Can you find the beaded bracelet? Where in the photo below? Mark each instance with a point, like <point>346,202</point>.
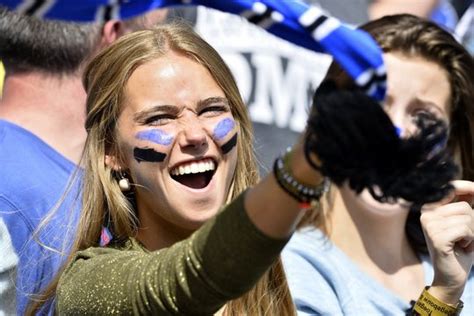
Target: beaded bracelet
<point>307,196</point>
<point>427,304</point>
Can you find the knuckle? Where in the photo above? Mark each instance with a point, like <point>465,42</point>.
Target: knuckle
<point>424,218</point>
<point>465,206</point>
<point>430,226</point>
<point>465,230</point>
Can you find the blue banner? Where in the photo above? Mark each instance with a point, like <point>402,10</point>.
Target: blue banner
<point>292,20</point>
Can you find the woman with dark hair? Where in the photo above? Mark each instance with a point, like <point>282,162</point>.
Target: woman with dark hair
<point>364,256</point>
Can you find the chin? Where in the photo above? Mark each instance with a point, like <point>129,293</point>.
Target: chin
<point>367,201</point>
<point>195,220</point>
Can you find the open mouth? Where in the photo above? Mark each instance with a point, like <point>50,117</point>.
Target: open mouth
<point>195,174</point>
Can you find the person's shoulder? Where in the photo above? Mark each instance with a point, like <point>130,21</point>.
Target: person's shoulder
<point>309,249</point>
<point>14,135</point>
<point>94,252</point>
<point>21,152</point>
<point>20,145</point>
<point>97,257</point>
<point>31,169</point>
<point>116,248</point>
<point>309,270</point>
<point>309,239</point>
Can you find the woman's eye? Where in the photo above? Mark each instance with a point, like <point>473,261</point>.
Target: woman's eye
<point>160,119</point>
<point>425,113</point>
<point>213,110</point>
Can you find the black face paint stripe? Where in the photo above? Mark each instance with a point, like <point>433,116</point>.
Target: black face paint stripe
<point>229,145</point>
<point>148,155</point>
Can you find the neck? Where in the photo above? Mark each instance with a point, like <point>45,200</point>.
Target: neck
<point>157,233</point>
<point>50,106</point>
<point>371,237</point>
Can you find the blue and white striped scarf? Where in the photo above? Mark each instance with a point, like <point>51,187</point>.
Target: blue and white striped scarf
<point>292,20</point>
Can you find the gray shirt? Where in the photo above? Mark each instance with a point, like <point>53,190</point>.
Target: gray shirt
<point>8,262</point>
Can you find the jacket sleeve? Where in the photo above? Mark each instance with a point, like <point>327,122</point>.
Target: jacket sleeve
<point>219,262</point>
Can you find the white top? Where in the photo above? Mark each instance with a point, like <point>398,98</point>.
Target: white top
<point>323,280</point>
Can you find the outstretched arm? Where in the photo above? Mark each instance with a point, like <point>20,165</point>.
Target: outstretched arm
<point>219,262</point>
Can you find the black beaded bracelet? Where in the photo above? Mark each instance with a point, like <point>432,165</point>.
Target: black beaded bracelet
<point>305,195</point>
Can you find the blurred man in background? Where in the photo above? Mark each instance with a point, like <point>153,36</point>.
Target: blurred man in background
<point>42,133</point>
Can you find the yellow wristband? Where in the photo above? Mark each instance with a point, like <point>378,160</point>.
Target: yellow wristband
<point>427,304</point>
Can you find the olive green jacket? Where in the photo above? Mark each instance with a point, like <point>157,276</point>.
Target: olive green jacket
<point>196,276</point>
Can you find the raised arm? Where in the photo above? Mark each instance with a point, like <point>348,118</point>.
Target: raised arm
<point>449,232</point>
<point>219,262</point>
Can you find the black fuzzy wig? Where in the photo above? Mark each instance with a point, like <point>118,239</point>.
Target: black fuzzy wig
<point>357,142</point>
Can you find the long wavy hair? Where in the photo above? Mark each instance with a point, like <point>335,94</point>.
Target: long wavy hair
<point>104,80</point>
<point>415,37</point>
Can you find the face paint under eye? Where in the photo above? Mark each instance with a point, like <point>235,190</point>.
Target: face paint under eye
<point>148,155</point>
<point>223,128</point>
<point>229,145</point>
<point>156,136</point>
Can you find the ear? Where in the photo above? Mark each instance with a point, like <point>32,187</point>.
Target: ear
<point>111,31</point>
<point>112,162</point>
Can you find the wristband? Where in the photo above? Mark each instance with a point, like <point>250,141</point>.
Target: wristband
<point>307,196</point>
<point>427,304</point>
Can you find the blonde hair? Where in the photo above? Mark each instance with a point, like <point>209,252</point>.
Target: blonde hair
<point>104,80</point>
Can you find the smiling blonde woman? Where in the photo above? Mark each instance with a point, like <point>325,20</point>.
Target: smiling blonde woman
<point>169,143</point>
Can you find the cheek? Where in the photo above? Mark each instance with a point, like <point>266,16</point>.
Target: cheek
<point>152,145</point>
<point>224,133</point>
<point>223,129</point>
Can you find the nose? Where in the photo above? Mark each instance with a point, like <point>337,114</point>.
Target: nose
<point>403,121</point>
<point>193,136</point>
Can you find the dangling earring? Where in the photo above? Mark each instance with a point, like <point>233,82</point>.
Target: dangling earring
<point>124,183</point>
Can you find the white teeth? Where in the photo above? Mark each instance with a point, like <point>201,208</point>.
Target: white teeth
<point>202,167</point>
<point>194,167</point>
<point>187,169</point>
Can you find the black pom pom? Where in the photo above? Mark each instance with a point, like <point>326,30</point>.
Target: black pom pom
<point>357,142</point>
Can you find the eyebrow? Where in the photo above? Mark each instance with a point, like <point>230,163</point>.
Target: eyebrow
<point>430,103</point>
<point>212,100</point>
